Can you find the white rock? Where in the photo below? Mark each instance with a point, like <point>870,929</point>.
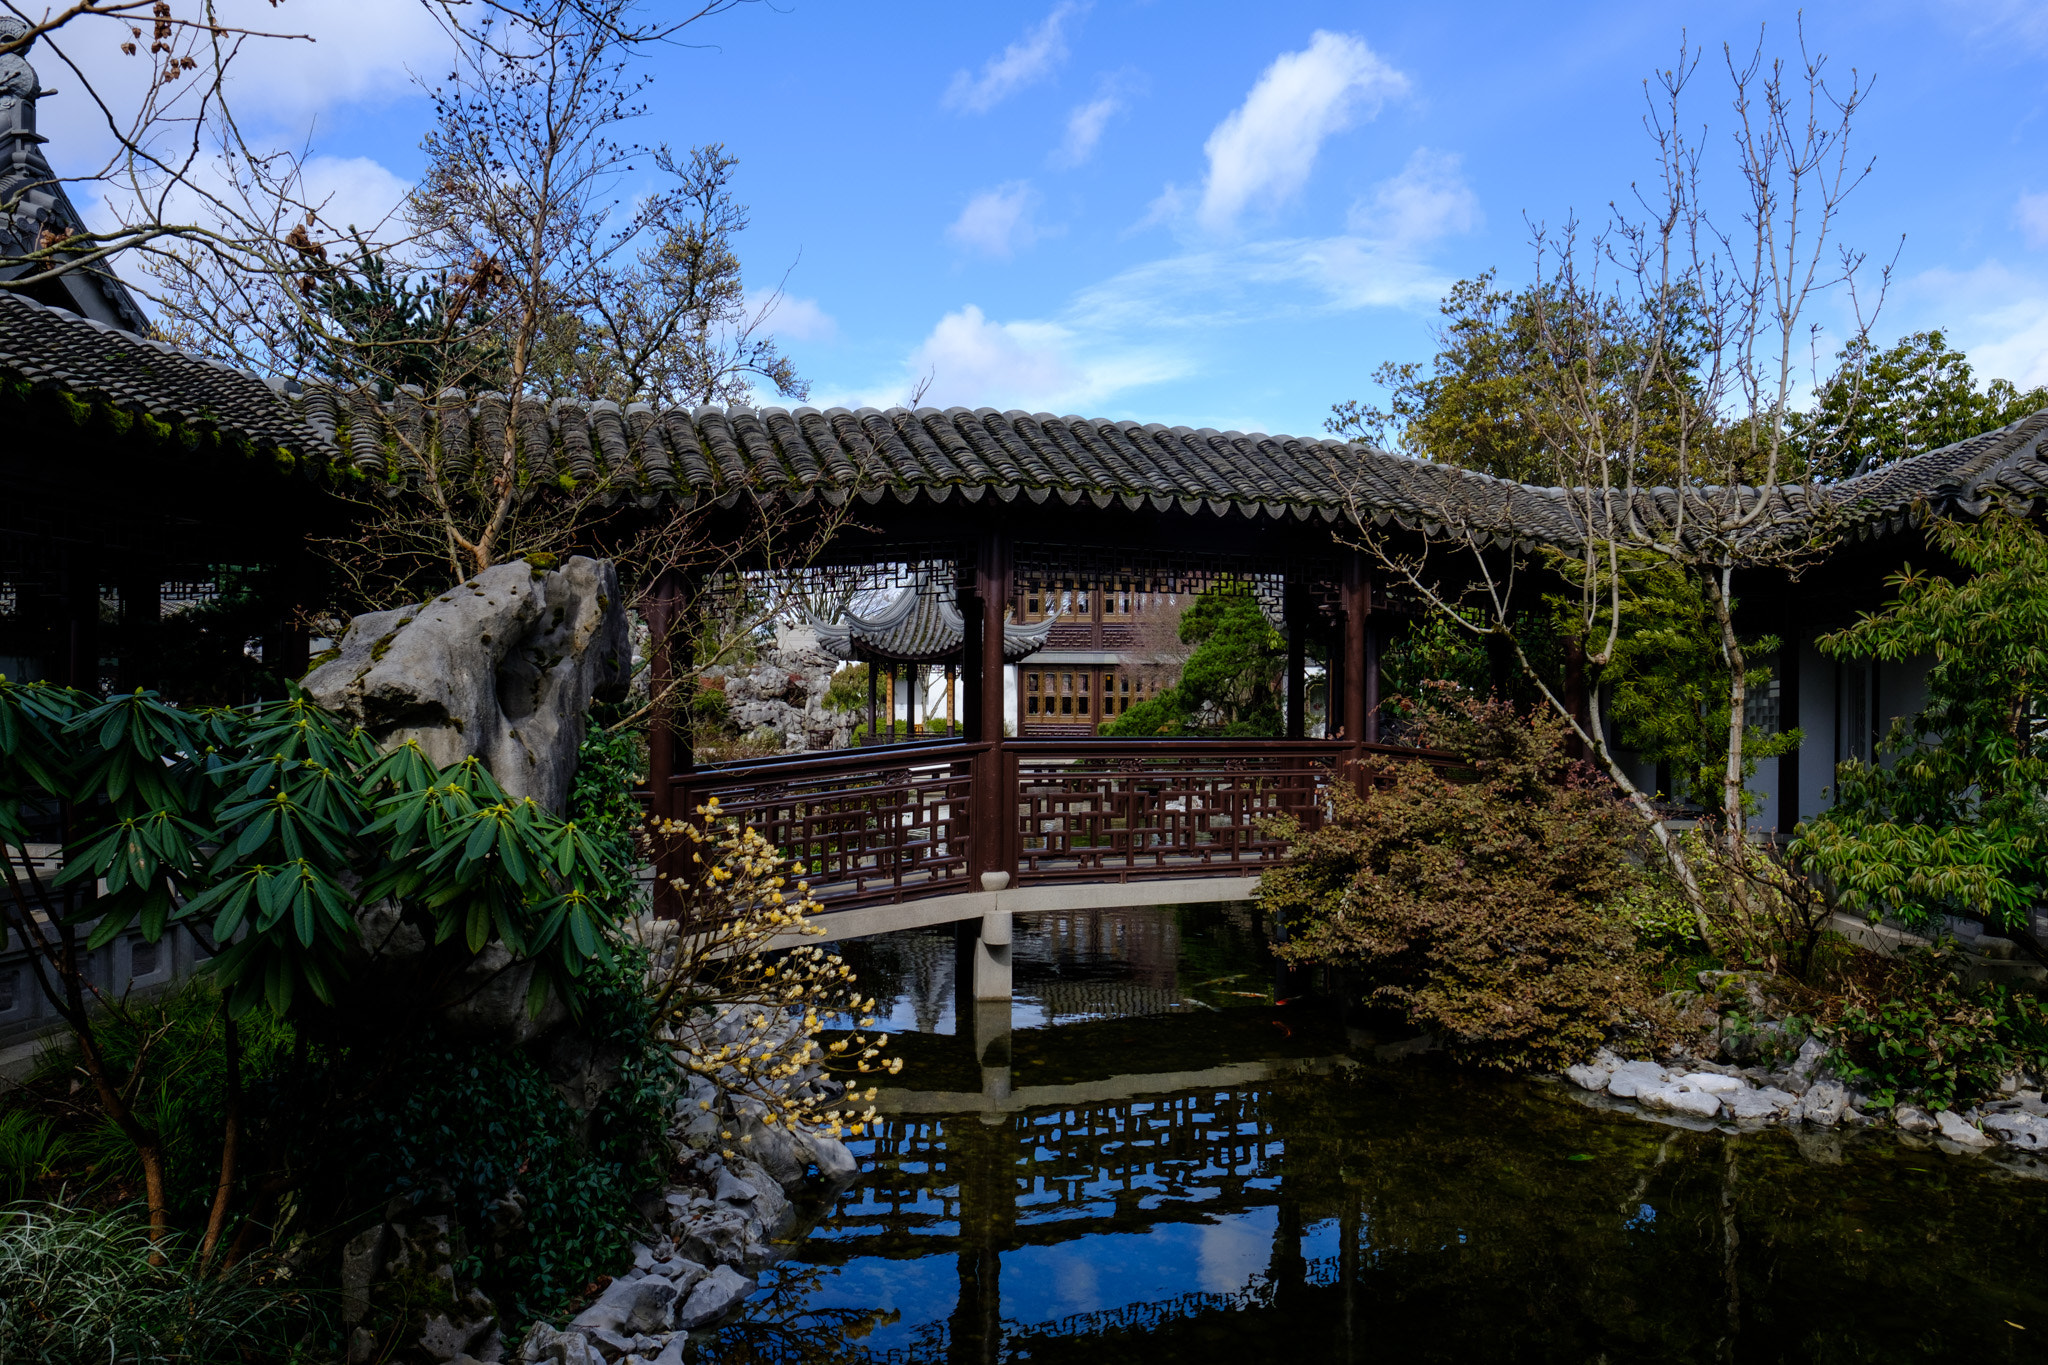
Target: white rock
<point>1587,1076</point>
<point>730,1189</point>
<point>503,666</point>
<point>1630,1079</point>
<point>1678,1097</point>
<point>653,1307</point>
<point>829,1154</point>
<point>683,1274</point>
<point>609,1312</point>
<point>1764,1105</point>
<point>1822,1103</point>
<point>2021,1130</point>
<point>1807,1063</point>
<point>1959,1131</point>
<point>1913,1119</point>
<point>1713,1082</point>
<point>714,1297</point>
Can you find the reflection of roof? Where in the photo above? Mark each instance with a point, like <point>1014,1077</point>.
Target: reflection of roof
<point>918,626</point>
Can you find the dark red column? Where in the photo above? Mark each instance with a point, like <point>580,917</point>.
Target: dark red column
<point>991,817</point>
<point>1357,589</point>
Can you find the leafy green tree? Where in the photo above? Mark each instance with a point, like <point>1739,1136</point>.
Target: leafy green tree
<point>1491,400</point>
<point>264,829</point>
<point>367,320</point>
<point>1883,405</point>
<point>1955,820</point>
<point>1669,685</point>
<point>1229,685</point>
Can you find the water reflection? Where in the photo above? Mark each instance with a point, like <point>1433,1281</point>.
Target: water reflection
<point>1078,965</point>
<point>1328,1206</point>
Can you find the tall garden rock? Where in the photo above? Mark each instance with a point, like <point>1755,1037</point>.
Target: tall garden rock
<point>504,666</point>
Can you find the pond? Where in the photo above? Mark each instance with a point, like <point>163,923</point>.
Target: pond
<point>1165,1150</point>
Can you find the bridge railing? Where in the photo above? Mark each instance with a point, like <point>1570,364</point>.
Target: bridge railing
<point>902,822</point>
<point>865,826</point>
<point>1120,811</point>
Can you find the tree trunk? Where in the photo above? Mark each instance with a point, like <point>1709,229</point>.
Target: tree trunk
<point>230,1141</point>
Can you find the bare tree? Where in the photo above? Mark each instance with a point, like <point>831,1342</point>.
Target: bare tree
<point>1669,345</point>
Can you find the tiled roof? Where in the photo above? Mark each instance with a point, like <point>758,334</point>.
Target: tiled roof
<point>918,626</point>
<point>50,348</point>
<point>679,458</point>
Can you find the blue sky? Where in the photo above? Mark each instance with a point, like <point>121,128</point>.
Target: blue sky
<point>1227,215</point>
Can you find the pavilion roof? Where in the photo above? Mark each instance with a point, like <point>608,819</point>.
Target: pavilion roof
<point>918,626</point>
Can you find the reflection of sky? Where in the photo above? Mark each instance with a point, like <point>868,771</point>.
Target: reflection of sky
<point>1090,1274</point>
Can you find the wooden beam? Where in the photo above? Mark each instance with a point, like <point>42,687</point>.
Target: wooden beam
<point>1357,591</point>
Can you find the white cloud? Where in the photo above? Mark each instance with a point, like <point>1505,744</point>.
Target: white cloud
<point>1086,122</point>
<point>1259,281</point>
<point>1262,154</point>
<point>1429,199</point>
<point>1084,128</point>
<point>2003,22</point>
<point>354,191</point>
<point>1232,1251</point>
<point>791,318</point>
<point>1023,63</point>
<point>998,222</point>
<point>1996,315</point>
<point>973,360</point>
<point>2032,212</point>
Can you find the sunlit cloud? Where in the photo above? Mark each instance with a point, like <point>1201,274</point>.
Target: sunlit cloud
<point>1023,63</point>
<point>1261,156</point>
<point>998,222</point>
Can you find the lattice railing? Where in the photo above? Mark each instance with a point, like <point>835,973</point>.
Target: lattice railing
<point>864,827</point>
<point>1110,812</point>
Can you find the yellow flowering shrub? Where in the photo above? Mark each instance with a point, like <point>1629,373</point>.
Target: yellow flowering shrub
<point>742,1000</point>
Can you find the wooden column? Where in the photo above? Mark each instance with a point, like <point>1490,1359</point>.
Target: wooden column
<point>1357,611</point>
<point>1788,718</point>
<point>1372,670</point>
<point>1575,694</point>
<point>668,736</point>
<point>1297,660</point>
<point>993,809</point>
<point>142,609</point>
<point>80,643</point>
<point>972,711</point>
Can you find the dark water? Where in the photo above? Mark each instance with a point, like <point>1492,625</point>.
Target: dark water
<point>1155,1162</point>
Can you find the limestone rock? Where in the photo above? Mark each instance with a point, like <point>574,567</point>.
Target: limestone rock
<point>1823,1103</point>
<point>2021,1130</point>
<point>1913,1119</point>
<point>713,1297</point>
<point>1630,1079</point>
<point>829,1154</point>
<point>1955,1128</point>
<point>612,1307</point>
<point>1763,1105</point>
<point>653,1306</point>
<point>503,666</point>
<point>1681,1097</point>
<point>1712,1082</point>
<point>361,1259</point>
